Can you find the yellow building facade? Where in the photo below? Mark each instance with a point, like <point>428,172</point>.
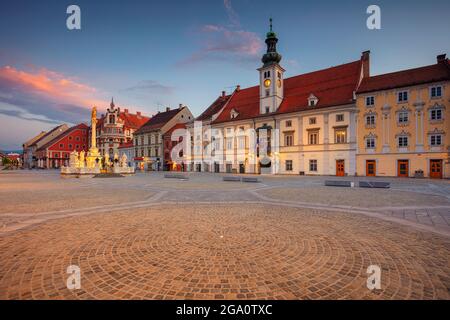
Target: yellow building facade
<point>403,123</point>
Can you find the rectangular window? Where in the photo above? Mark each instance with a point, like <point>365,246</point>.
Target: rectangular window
<point>313,165</point>
<point>370,143</point>
<point>436,114</point>
<point>61,145</point>
<point>229,143</point>
<point>288,123</point>
<point>313,137</point>
<point>436,92</point>
<point>403,117</point>
<point>370,120</point>
<point>402,96</point>
<point>436,140</point>
<point>312,120</point>
<point>339,117</point>
<point>241,143</point>
<point>340,135</point>
<point>289,140</point>
<point>370,101</point>
<point>402,141</point>
<point>288,165</point>
<point>267,109</point>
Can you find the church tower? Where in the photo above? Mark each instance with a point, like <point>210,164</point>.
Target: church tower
<point>271,76</point>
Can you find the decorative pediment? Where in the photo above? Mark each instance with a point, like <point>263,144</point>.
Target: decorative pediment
<point>403,134</point>
<point>436,106</point>
<point>312,100</point>
<point>436,131</point>
<point>403,109</point>
<point>370,136</point>
<point>370,113</point>
<point>233,114</point>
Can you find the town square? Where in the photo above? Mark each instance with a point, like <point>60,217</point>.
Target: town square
<point>224,150</point>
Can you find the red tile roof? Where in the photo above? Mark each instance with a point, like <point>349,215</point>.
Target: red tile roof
<point>177,126</point>
<point>130,120</point>
<point>432,73</point>
<point>62,135</point>
<point>215,107</point>
<point>158,121</point>
<point>333,87</point>
<point>126,145</point>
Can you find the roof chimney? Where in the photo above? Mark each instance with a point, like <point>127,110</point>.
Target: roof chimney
<point>180,106</point>
<point>125,110</point>
<point>238,87</point>
<point>365,59</point>
<point>138,113</point>
<point>223,94</point>
<point>441,58</point>
<point>167,109</point>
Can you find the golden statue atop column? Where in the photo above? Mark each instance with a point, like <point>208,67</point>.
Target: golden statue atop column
<point>93,159</point>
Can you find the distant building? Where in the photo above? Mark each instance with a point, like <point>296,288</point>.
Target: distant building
<point>169,163</point>
<point>148,140</point>
<point>56,152</point>
<point>403,123</point>
<point>117,127</point>
<point>27,155</point>
<point>30,159</point>
<point>127,148</point>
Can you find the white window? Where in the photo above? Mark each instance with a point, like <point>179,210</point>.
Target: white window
<point>436,92</point>
<point>340,135</point>
<point>241,142</point>
<point>370,142</point>
<point>289,140</point>
<point>370,120</point>
<point>370,101</point>
<point>312,120</point>
<point>313,165</point>
<point>403,117</point>
<point>313,137</point>
<point>288,164</point>
<point>435,114</point>
<point>402,96</point>
<point>403,141</point>
<point>436,140</point>
<point>339,117</point>
<point>229,143</point>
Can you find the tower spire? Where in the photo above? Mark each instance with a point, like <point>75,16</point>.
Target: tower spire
<point>272,56</point>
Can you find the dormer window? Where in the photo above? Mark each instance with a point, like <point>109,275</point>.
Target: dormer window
<point>233,114</point>
<point>312,100</point>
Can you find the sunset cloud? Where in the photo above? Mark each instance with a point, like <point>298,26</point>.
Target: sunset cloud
<point>45,95</point>
<point>226,43</point>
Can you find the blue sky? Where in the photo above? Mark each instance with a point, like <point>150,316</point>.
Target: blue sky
<point>153,54</point>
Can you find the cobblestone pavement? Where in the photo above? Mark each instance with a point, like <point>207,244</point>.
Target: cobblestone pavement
<point>284,238</point>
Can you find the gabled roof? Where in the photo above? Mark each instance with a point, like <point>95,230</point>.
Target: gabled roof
<point>32,140</point>
<point>158,120</point>
<point>332,86</point>
<point>62,135</point>
<point>130,120</point>
<point>176,126</point>
<point>48,134</point>
<point>405,78</point>
<point>215,107</point>
<point>126,145</point>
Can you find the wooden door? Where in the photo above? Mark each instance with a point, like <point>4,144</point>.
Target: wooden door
<point>403,168</point>
<point>371,168</point>
<point>436,169</point>
<point>340,168</point>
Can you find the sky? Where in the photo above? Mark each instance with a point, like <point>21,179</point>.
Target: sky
<point>152,54</point>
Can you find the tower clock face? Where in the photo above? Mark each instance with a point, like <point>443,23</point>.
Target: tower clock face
<point>267,83</point>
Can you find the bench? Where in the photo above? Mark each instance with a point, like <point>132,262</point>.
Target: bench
<point>231,179</point>
<point>175,176</point>
<point>249,179</point>
<point>338,183</point>
<point>374,184</point>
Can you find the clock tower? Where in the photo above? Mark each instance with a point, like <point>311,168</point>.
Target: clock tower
<point>270,76</point>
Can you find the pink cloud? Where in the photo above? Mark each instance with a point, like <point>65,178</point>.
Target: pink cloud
<point>229,43</point>
<point>51,85</point>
